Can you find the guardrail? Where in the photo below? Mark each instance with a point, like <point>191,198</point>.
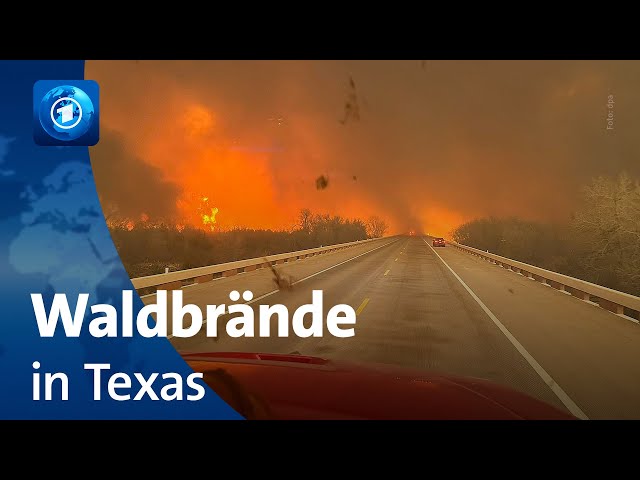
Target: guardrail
<point>617,302</point>
<point>180,278</point>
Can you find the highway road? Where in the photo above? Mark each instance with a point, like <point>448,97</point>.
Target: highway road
<point>447,311</point>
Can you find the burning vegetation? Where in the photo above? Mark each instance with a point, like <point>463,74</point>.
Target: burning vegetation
<point>146,248</point>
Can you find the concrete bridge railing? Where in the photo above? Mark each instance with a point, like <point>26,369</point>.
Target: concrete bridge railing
<point>180,278</point>
<point>617,302</point>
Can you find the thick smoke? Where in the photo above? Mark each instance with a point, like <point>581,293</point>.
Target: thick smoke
<point>129,185</point>
<point>434,143</point>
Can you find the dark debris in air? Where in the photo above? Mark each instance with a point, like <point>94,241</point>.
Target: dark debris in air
<point>322,182</point>
<point>282,281</point>
<point>511,290</point>
<point>351,106</point>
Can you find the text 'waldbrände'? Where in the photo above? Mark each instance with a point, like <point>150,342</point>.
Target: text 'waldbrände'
<point>106,322</point>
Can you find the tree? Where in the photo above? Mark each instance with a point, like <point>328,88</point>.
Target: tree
<point>305,220</point>
<point>607,232</point>
<point>601,243</point>
<point>376,227</point>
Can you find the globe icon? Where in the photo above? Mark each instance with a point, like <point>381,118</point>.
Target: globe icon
<point>66,112</point>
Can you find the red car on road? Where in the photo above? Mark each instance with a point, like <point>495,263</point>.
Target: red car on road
<point>438,242</point>
<point>263,386</point>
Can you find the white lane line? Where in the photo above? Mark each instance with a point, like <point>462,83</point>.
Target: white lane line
<point>303,279</point>
<point>560,393</point>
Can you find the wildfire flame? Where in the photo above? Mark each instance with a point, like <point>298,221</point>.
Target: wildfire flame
<point>210,219</point>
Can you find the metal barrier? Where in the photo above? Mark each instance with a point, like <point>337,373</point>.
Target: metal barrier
<point>180,278</point>
<point>617,302</point>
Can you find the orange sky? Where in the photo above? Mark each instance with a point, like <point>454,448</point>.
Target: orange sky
<point>437,143</point>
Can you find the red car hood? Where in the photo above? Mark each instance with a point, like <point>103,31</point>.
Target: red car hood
<point>273,386</point>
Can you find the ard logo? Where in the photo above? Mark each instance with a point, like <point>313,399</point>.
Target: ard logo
<point>66,112</point>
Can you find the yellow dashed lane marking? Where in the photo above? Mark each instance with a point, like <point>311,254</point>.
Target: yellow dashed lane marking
<point>385,273</point>
<point>361,307</point>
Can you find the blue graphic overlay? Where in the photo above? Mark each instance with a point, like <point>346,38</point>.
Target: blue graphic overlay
<point>54,239</point>
<point>66,113</point>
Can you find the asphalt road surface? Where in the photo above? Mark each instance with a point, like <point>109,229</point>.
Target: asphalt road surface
<point>447,311</point>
